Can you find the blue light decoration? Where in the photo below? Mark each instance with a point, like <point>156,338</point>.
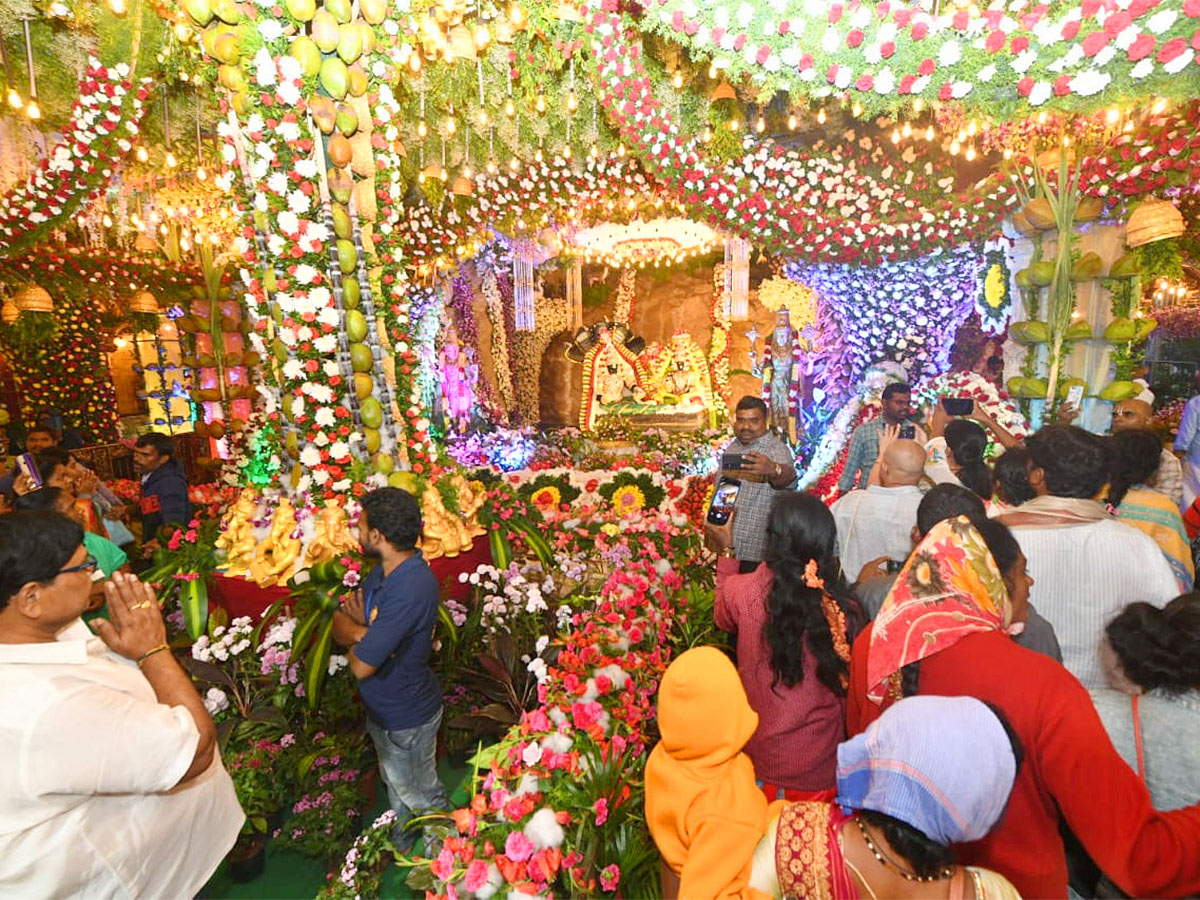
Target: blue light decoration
<point>906,311</point>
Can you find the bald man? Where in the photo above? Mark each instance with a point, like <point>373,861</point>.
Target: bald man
<point>879,521</point>
<point>1138,414</point>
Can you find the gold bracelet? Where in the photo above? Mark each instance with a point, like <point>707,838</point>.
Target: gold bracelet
<point>727,553</point>
<point>145,656</point>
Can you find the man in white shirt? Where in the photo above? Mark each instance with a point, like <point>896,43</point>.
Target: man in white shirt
<point>111,785</point>
<point>1086,565</point>
<point>1137,413</point>
<point>879,521</point>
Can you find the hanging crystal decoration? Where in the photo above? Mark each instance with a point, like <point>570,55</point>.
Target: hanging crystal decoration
<point>523,311</point>
<point>737,278</point>
<point>575,294</point>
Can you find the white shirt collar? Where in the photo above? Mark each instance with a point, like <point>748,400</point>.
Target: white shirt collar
<point>72,647</point>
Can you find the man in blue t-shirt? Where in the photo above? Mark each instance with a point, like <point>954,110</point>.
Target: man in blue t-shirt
<point>389,627</point>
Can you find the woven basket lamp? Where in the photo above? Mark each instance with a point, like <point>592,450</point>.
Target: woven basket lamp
<point>9,311</point>
<point>1154,220</point>
<point>32,298</point>
<point>144,302</point>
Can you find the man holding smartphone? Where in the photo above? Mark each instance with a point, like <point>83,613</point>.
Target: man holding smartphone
<point>894,409</point>
<point>763,464</point>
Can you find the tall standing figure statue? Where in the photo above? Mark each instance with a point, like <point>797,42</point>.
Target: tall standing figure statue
<point>782,373</point>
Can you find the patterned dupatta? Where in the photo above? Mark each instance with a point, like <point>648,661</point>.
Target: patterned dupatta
<point>949,588</point>
<point>808,853</point>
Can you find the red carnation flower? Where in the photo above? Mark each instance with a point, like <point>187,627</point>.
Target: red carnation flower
<point>926,67</point>
<point>1142,47</point>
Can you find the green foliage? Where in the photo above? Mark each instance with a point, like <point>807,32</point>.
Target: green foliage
<point>31,331</point>
<point>1160,259</point>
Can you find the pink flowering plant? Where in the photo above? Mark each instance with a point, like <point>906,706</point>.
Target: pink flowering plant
<point>327,814</point>
<point>181,567</point>
<point>557,804</point>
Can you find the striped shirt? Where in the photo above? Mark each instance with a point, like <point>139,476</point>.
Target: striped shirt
<point>756,495</point>
<point>1083,576</point>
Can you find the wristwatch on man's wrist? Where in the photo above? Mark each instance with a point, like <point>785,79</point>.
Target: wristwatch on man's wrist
<point>726,552</point>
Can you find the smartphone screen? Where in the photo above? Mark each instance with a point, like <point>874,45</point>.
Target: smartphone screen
<point>722,502</point>
<point>908,432</point>
<point>958,406</point>
<point>29,469</point>
<point>893,566</point>
<point>1075,395</point>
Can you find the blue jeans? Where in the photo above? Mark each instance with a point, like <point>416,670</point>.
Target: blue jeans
<point>409,768</point>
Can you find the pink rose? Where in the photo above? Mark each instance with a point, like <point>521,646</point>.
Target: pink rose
<point>477,876</point>
<point>517,847</point>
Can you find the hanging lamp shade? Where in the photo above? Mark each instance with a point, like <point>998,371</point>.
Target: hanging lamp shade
<point>462,186</point>
<point>723,91</point>
<point>1153,220</point>
<point>462,42</point>
<point>9,311</point>
<point>144,243</point>
<point>32,298</point>
<point>144,302</point>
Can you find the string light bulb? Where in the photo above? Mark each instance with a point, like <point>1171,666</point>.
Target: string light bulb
<point>491,166</point>
<point>566,152</point>
<point>482,117</point>
<point>540,103</point>
<point>821,117</point>
<point>712,71</point>
<point>510,108</point>
<point>516,15</point>
<point>856,109</point>
<point>33,110</point>
<point>414,62</point>
<point>677,79</point>
<point>170,160</point>
<point>422,129</point>
<point>201,174</point>
<point>970,154</point>
<point>761,125</point>
<point>482,36</point>
<point>14,98</point>
<point>955,146</point>
<point>142,155</point>
<point>929,133</point>
<point>451,124</point>
<point>895,135</point>
<point>1159,105</point>
<point>792,123</point>
<point>514,165</point>
<point>906,131</point>
<point>117,6</point>
<point>108,222</point>
<point>572,102</point>
<point>1113,116</point>
<point>734,124</point>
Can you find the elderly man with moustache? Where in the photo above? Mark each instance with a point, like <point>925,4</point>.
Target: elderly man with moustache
<point>1136,413</point>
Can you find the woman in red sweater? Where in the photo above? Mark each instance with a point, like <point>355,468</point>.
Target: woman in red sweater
<point>1071,770</point>
<point>791,616</point>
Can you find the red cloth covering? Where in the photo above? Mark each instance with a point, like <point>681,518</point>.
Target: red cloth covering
<point>241,597</point>
<point>1070,766</point>
<point>799,727</point>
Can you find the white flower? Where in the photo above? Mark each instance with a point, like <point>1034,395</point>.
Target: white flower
<point>326,343</point>
<point>270,29</point>
<point>1161,21</point>
<point>532,754</point>
<point>305,274</point>
<point>287,221</point>
<point>215,701</point>
<point>299,202</point>
<point>543,829</point>
<point>1040,93</point>
<point>264,67</point>
<point>337,662</point>
<point>289,68</point>
<point>987,73</point>
<point>1022,63</point>
<point>309,457</point>
<point>325,418</point>
<point>1145,66</point>
<point>1090,82</point>
<point>950,53</point>
<point>1178,64</point>
<point>339,450</point>
<point>306,168</point>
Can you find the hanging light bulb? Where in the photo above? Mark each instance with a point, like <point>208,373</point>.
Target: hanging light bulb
<point>201,174</point>
<point>540,103</point>
<point>856,109</point>
<point>422,129</point>
<point>414,62</point>
<point>1008,154</point>
<point>572,102</point>
<point>821,116</point>
<point>895,135</point>
<point>792,123</point>
<point>594,152</point>
<point>906,131</point>
<point>734,124</point>
<point>141,154</point>
<point>929,133</point>
<point>33,110</point>
<point>482,36</point>
<point>516,15</point>
<point>510,109</point>
<point>170,160</point>
<point>566,152</point>
<point>972,128</point>
<point>513,165</point>
<point>182,32</point>
<point>482,117</point>
<point>970,154</point>
<point>712,70</point>
<point>1159,105</point>
<point>451,124</point>
<point>491,165</point>
<point>761,125</point>
<point>117,6</point>
<point>1113,116</point>
<point>14,98</point>
<point>955,146</point>
<point>918,105</point>
<point>537,155</point>
<point>107,220</point>
<point>677,79</point>
<point>621,150</point>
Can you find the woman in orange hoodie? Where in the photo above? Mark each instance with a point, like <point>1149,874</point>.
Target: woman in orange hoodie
<point>705,812</point>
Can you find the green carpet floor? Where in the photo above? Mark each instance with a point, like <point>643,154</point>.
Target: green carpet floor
<point>290,876</point>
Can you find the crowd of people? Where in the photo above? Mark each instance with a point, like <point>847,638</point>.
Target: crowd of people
<point>1051,584</point>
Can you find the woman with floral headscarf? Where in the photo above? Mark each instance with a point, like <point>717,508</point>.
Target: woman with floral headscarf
<point>945,630</point>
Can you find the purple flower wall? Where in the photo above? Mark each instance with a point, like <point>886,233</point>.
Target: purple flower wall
<point>904,311</point>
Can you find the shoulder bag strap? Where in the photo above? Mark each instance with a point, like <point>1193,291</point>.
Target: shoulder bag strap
<point>1137,738</point>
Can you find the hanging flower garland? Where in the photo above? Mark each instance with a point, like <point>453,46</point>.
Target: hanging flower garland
<point>996,62</point>
<point>626,288</point>
<point>70,373</point>
<point>789,202</point>
<point>103,124</point>
<point>718,349</point>
<point>113,270</point>
<point>500,357</point>
<point>903,311</point>
<point>994,302</point>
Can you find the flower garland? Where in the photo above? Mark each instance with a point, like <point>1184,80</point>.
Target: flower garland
<point>788,201</point>
<point>995,402</point>
<point>994,302</point>
<point>995,61</point>
<point>626,289</point>
<point>718,348</point>
<point>103,124</point>
<point>90,268</point>
<point>500,357</point>
<point>904,311</point>
<point>70,373</point>
<point>528,350</point>
<point>801,301</point>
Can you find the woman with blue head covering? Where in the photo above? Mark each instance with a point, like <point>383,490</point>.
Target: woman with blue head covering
<point>930,772</point>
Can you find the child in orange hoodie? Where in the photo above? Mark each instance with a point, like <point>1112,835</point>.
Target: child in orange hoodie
<point>705,812</point>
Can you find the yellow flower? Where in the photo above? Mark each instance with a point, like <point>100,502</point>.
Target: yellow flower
<point>547,496</point>
<point>628,498</point>
<point>993,287</point>
<point>610,529</point>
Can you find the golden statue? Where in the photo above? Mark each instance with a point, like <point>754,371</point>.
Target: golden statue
<point>471,497</point>
<point>237,533</point>
<point>332,537</point>
<point>444,534</point>
<point>276,556</point>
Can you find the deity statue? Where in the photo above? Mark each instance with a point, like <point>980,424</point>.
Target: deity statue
<point>612,372</point>
<point>444,533</point>
<point>680,375</point>
<point>237,533</point>
<point>782,373</point>
<point>460,376</point>
<point>471,497</point>
<point>332,538</point>
<point>278,553</point>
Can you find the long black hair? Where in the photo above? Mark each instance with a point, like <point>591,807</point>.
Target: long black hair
<point>969,442</point>
<point>1159,648</point>
<point>801,529</point>
<point>1011,473</point>
<point>1134,457</point>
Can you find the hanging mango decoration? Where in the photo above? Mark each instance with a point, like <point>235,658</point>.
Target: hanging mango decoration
<point>1031,332</point>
